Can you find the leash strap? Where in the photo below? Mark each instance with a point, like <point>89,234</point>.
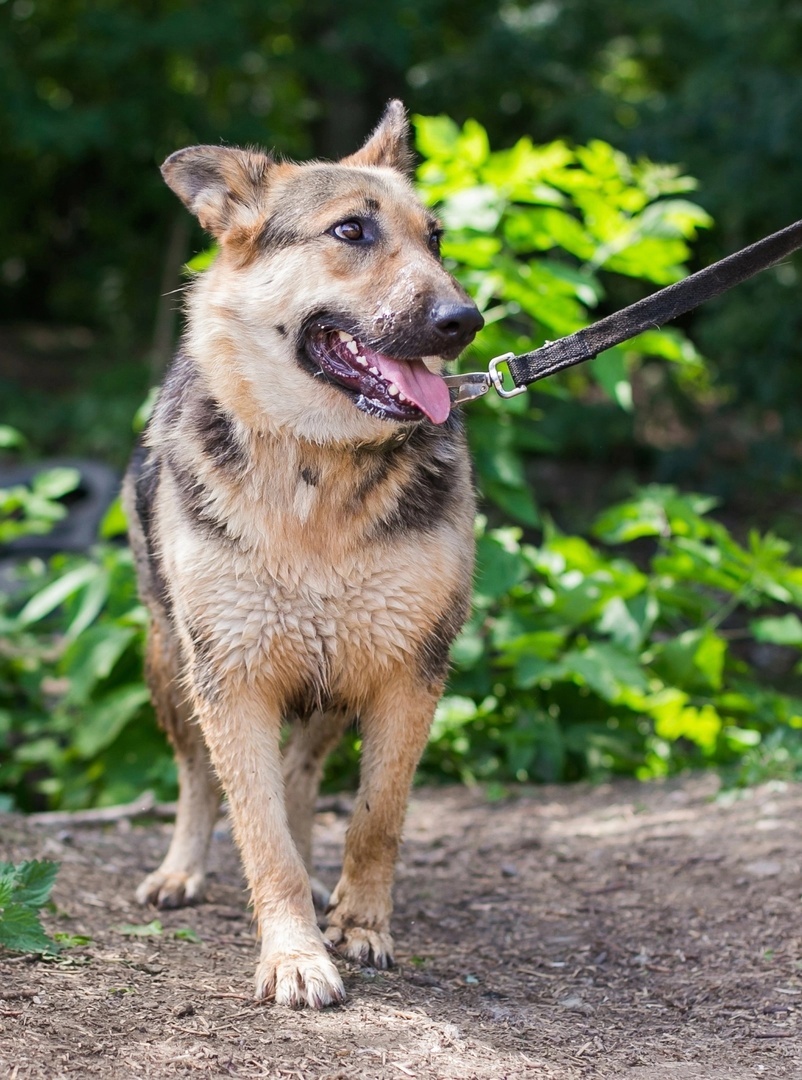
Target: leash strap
<point>651,312</point>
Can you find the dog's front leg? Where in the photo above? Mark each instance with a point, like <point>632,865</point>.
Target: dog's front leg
<point>242,733</point>
<point>394,732</point>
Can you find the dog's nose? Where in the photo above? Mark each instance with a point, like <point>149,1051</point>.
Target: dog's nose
<point>456,324</point>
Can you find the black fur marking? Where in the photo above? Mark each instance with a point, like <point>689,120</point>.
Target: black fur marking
<point>376,467</point>
<point>204,680</point>
<point>195,503</point>
<point>305,700</point>
<point>218,435</point>
<point>145,469</point>
<point>310,476</point>
<point>176,391</point>
<point>430,494</point>
<point>282,329</point>
<point>433,653</point>
<point>276,235</point>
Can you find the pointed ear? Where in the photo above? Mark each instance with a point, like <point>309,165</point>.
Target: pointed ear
<point>221,185</point>
<point>388,146</point>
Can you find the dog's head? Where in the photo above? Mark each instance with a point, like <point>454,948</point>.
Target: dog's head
<point>328,305</point>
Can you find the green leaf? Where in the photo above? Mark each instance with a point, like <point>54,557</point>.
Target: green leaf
<point>186,933</point>
<point>72,941</point>
<point>141,930</point>
<point>91,604</point>
<point>436,137</point>
<point>607,670</point>
<point>611,373</point>
<point>33,881</point>
<point>54,483</point>
<point>21,931</point>
<point>783,630</point>
<point>145,410</point>
<point>91,658</point>
<point>24,888</point>
<point>114,521</point>
<point>104,721</point>
<point>693,659</point>
<point>10,437</point>
<point>499,568</point>
<point>56,593</point>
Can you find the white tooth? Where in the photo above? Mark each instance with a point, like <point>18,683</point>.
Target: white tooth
<point>403,397</point>
<point>374,371</point>
<point>352,347</point>
<point>343,336</point>
<point>393,390</point>
<point>361,361</point>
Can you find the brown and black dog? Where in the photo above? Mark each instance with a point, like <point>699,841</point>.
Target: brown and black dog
<point>301,512</point>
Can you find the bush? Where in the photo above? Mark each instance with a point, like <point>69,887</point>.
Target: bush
<point>579,661</point>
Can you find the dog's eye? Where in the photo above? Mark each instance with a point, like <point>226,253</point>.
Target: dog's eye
<point>434,241</point>
<point>349,230</point>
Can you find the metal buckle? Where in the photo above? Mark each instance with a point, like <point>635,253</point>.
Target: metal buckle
<point>475,384</point>
<point>497,379</point>
<point>469,386</point>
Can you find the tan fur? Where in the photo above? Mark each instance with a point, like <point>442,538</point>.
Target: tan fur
<point>299,556</point>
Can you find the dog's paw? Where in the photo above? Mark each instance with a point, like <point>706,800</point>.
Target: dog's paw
<point>301,979</point>
<point>171,889</point>
<point>373,948</point>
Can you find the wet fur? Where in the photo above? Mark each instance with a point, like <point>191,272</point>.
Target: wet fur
<point>300,558</point>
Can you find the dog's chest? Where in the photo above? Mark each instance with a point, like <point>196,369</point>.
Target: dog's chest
<point>307,581</point>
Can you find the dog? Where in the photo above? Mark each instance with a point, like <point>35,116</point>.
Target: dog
<point>301,513</point>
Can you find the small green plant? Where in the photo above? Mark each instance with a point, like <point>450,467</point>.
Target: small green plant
<point>24,889</point>
<point>151,929</point>
<point>32,510</point>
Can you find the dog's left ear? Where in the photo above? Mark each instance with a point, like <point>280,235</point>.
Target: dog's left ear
<point>388,146</point>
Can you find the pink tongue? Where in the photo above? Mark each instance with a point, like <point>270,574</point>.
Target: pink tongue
<point>421,386</point>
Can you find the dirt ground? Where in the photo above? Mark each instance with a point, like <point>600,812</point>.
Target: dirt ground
<point>625,931</point>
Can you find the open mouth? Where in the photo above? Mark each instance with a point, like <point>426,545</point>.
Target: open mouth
<point>381,385</point>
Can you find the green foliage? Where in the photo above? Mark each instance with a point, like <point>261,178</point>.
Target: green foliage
<point>580,661</point>
<point>24,889</point>
<point>530,232</point>
<point>32,510</point>
<point>76,726</point>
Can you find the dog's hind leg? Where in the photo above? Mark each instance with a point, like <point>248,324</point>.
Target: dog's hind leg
<point>394,729</point>
<point>305,755</point>
<point>182,875</point>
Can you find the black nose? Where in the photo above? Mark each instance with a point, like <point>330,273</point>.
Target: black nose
<point>456,324</point>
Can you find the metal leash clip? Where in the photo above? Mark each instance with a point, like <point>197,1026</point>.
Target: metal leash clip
<point>468,386</point>
<point>475,384</point>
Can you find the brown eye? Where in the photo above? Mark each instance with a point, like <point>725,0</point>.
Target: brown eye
<point>349,230</point>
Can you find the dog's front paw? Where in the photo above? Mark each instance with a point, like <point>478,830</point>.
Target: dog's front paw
<point>171,889</point>
<point>300,979</point>
<point>373,948</point>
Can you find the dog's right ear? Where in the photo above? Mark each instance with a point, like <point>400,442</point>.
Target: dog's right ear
<point>221,185</point>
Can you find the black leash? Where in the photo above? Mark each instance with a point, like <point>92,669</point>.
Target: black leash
<point>647,314</point>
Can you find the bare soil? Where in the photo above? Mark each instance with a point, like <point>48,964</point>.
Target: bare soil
<point>647,932</point>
